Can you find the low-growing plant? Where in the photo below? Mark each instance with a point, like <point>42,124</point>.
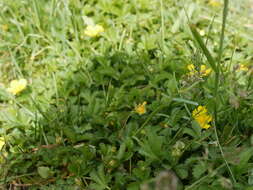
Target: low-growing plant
<point>134,108</point>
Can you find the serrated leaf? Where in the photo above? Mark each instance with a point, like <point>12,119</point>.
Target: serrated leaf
<point>152,147</point>
<point>199,169</point>
<point>99,178</point>
<point>181,171</point>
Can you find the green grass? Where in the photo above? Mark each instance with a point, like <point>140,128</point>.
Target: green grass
<point>75,125</point>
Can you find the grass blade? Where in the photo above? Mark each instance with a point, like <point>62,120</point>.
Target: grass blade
<point>203,47</point>
<point>217,82</point>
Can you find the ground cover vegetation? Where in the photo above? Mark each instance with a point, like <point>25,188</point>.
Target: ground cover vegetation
<point>126,94</point>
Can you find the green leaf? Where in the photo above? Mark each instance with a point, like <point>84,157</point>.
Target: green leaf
<point>251,140</point>
<point>182,171</point>
<point>44,172</point>
<point>244,158</point>
<point>199,169</point>
<point>185,101</point>
<point>133,186</point>
<point>122,150</point>
<point>190,132</point>
<point>152,147</point>
<point>250,179</point>
<point>196,128</point>
<point>101,180</point>
<point>70,133</point>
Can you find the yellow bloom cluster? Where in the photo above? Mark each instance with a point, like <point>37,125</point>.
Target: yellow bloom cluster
<point>191,69</point>
<point>17,86</point>
<point>141,108</point>
<point>200,114</point>
<point>93,30</point>
<point>204,71</point>
<point>243,67</point>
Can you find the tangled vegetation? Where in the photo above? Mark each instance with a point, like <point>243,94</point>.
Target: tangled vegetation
<point>126,94</point>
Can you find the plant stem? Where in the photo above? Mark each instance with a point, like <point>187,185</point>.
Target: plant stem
<point>162,25</point>
<point>217,82</point>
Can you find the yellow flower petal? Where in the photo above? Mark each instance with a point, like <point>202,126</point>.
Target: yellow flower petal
<point>206,126</point>
<point>199,111</point>
<point>200,114</point>
<point>192,70</point>
<point>214,3</point>
<point>243,67</point>
<point>2,142</point>
<point>191,67</point>
<point>207,72</point>
<point>204,71</point>
<point>93,31</point>
<point>141,108</point>
<point>202,32</point>
<point>202,68</point>
<point>17,86</point>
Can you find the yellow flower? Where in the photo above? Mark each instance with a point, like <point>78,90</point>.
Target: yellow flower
<point>199,111</point>
<point>141,108</point>
<point>93,30</point>
<point>191,69</point>
<point>243,67</point>
<point>16,86</point>
<point>214,3</point>
<point>202,32</point>
<point>204,71</point>
<point>5,27</point>
<point>2,142</point>
<point>200,114</point>
<point>203,121</point>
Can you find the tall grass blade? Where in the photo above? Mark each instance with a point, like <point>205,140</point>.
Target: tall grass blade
<point>217,81</point>
<point>203,47</point>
